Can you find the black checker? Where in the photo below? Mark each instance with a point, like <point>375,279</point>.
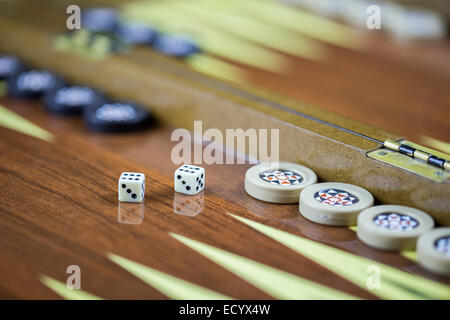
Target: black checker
<point>117,117</point>
<point>70,100</point>
<point>32,83</point>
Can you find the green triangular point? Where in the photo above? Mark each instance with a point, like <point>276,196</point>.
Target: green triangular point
<point>277,283</point>
<point>13,121</point>
<point>68,294</point>
<point>172,287</point>
<point>210,40</point>
<point>217,68</point>
<point>394,283</point>
<point>410,254</point>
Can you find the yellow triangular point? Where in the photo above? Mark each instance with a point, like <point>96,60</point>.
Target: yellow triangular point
<point>296,19</point>
<point>69,294</point>
<point>209,39</point>
<point>217,68</point>
<point>13,121</point>
<point>394,283</point>
<point>250,29</point>
<point>410,254</point>
<point>277,283</point>
<point>172,287</point>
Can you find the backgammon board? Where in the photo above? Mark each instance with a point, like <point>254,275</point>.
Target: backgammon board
<point>61,221</point>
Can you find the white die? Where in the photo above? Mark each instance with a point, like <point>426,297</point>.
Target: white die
<point>189,179</point>
<point>131,186</point>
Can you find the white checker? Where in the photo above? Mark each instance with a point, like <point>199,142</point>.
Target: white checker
<point>334,203</point>
<point>278,183</point>
<point>433,251</point>
<point>392,227</point>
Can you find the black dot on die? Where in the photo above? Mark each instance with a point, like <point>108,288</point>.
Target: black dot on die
<point>188,188</point>
<point>197,168</point>
<point>128,190</point>
<point>183,182</point>
<point>196,188</point>
<point>201,185</point>
<point>125,174</point>
<point>131,174</point>
<point>124,185</point>
<point>136,178</point>
<point>138,175</point>
<point>202,175</point>
<point>178,177</point>
<point>197,178</point>
<point>192,171</point>
<point>134,196</point>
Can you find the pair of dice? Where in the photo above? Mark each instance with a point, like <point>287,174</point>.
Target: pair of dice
<point>188,179</point>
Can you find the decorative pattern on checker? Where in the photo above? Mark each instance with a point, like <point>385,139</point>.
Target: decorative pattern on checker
<point>442,245</point>
<point>335,197</point>
<point>281,177</point>
<point>395,221</point>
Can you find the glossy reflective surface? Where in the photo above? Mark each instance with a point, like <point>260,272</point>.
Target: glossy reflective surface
<point>59,208</point>
<point>130,213</point>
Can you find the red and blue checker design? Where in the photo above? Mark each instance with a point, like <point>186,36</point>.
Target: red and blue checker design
<point>281,177</point>
<point>442,245</point>
<point>395,221</point>
<point>335,197</point>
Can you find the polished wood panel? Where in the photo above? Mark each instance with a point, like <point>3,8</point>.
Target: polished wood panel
<point>59,207</point>
<point>170,89</point>
<point>398,86</point>
<point>59,200</point>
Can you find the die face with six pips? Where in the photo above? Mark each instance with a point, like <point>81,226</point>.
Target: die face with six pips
<point>131,187</point>
<point>189,179</point>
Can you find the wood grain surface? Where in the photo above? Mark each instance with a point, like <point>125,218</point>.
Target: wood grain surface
<point>59,207</point>
<point>399,86</point>
<point>171,89</point>
<point>59,202</point>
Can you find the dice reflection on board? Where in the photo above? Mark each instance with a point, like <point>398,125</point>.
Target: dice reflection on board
<point>130,213</point>
<point>188,205</point>
<point>189,179</point>
<point>131,187</point>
